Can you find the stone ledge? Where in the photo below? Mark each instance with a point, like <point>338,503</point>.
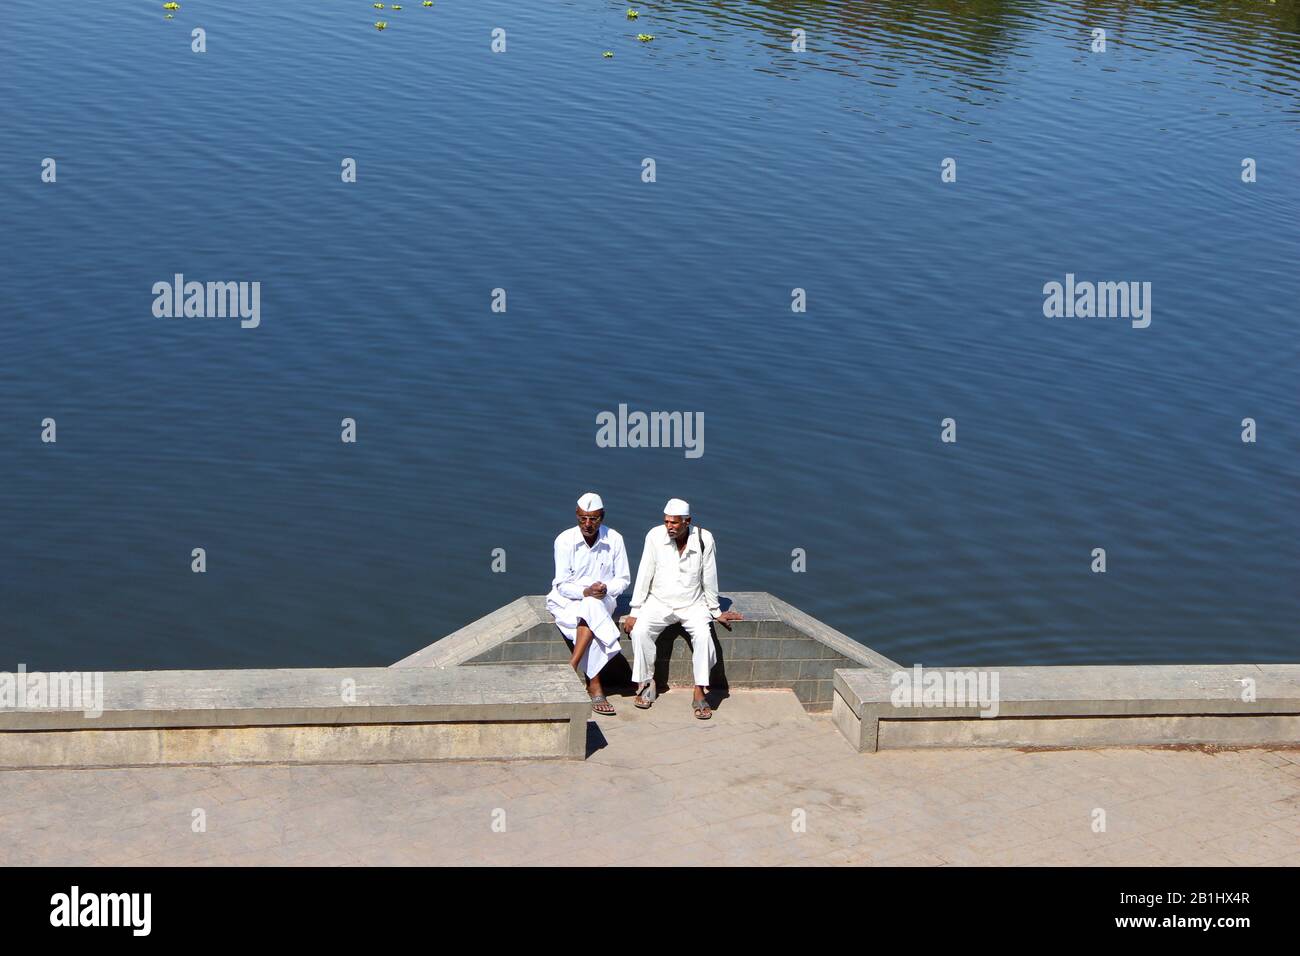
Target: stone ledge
<point>1078,706</point>
<point>501,625</point>
<point>304,716</point>
<point>776,645</point>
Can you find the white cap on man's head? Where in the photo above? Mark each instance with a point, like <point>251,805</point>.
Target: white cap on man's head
<point>677,508</point>
<point>591,502</point>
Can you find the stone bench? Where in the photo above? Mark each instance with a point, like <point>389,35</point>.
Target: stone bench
<point>776,645</point>
<point>318,715</point>
<point>1104,706</point>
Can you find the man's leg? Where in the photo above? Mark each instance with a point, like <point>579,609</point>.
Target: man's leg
<point>703,654</point>
<point>584,662</point>
<point>596,616</point>
<point>582,640</point>
<point>649,624</point>
<point>604,647</point>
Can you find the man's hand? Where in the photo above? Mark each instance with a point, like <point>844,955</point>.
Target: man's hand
<point>726,617</point>
<point>597,590</point>
<point>629,622</point>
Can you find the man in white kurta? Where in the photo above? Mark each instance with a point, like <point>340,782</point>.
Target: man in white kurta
<point>677,582</point>
<point>591,571</point>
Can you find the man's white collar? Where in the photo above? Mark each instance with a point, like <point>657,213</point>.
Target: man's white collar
<point>601,534</point>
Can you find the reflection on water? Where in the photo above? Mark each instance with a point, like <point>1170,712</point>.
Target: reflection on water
<point>965,50</point>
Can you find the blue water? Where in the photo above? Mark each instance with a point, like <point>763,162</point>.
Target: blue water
<point>774,170</point>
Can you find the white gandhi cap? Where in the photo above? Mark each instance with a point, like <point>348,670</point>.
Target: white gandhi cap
<point>677,508</point>
<point>591,502</point>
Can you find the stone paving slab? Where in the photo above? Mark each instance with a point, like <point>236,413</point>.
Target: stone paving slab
<point>663,788</point>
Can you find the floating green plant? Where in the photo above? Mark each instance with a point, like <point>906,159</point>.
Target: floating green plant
<point>607,54</point>
<point>378,6</point>
<point>632,14</point>
<point>381,25</point>
<point>427,3</point>
<point>171,6</point>
<point>645,37</point>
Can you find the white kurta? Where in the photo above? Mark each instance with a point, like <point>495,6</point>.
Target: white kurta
<point>576,567</point>
<point>673,587</point>
<point>678,579</point>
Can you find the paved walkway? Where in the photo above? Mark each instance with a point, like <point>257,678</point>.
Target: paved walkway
<point>667,789</point>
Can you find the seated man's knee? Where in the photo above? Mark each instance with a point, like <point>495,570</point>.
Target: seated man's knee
<point>698,629</point>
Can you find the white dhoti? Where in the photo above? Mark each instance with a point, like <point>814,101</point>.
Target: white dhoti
<point>650,622</point>
<point>597,613</point>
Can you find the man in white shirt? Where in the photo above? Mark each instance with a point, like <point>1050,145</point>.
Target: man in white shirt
<point>676,582</point>
<point>591,571</point>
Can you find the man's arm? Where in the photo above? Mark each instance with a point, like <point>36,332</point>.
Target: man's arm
<point>711,576</point>
<point>622,576</point>
<point>644,574</point>
<point>563,582</point>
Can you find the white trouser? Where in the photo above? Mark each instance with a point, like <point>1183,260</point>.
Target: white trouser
<point>650,622</point>
<point>596,613</point>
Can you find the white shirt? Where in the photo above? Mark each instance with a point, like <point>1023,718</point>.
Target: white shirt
<point>577,565</point>
<point>679,580</point>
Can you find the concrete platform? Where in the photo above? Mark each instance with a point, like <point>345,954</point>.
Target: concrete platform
<point>776,645</point>
<point>762,783</point>
<point>1072,706</point>
<point>316,715</point>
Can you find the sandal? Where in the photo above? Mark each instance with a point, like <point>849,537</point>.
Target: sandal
<point>702,709</point>
<point>645,696</point>
<point>596,706</point>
